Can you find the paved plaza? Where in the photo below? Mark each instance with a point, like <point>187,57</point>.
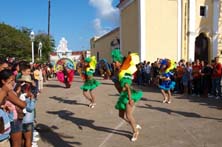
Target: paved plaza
<point>65,120</point>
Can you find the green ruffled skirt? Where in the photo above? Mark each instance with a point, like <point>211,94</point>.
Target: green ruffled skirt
<point>90,85</point>
<point>123,99</point>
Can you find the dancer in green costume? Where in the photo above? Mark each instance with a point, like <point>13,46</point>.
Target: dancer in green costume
<point>128,96</point>
<point>117,62</point>
<point>90,83</point>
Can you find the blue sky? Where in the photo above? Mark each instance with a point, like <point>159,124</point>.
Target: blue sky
<point>76,20</point>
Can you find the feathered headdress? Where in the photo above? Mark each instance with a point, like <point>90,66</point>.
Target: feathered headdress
<point>129,66</point>
<point>92,63</point>
<point>116,55</point>
<point>170,64</point>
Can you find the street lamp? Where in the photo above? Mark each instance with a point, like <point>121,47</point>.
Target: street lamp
<point>40,50</point>
<point>32,37</point>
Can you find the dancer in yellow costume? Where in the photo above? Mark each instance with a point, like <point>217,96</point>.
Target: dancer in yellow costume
<point>90,83</point>
<point>128,96</point>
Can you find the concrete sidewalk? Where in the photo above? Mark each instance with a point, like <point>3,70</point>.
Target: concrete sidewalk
<point>65,120</point>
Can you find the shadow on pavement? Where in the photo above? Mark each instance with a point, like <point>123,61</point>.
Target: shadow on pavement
<point>153,89</point>
<point>54,86</point>
<point>115,95</point>
<point>210,102</point>
<point>66,101</point>
<point>48,135</point>
<point>82,122</point>
<point>79,81</point>
<point>107,83</point>
<point>171,112</point>
<point>149,100</point>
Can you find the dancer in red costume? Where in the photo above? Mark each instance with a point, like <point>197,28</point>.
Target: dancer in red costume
<point>65,71</point>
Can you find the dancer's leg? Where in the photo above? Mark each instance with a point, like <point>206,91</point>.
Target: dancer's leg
<point>164,96</point>
<point>122,115</point>
<point>93,99</point>
<point>169,96</point>
<point>86,96</point>
<point>132,122</point>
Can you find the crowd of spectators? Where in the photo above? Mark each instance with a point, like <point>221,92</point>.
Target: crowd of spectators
<point>20,85</point>
<point>198,78</point>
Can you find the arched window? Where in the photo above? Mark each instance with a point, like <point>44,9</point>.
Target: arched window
<point>115,43</point>
<point>201,47</point>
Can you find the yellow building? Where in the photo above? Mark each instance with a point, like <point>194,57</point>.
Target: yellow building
<point>175,29</point>
<point>101,46</point>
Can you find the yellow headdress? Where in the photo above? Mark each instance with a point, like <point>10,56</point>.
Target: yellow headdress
<point>92,63</point>
<point>170,64</point>
<point>129,66</point>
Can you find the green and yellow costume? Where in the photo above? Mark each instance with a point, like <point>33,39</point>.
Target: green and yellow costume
<point>90,83</point>
<point>125,77</point>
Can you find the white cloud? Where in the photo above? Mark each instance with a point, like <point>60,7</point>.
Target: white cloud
<point>98,27</point>
<point>106,13</point>
<point>105,10</point>
<point>100,30</point>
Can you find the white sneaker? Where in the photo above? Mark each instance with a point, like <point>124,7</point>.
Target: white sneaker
<point>35,139</point>
<point>218,97</point>
<point>165,101</point>
<point>34,144</point>
<point>35,133</point>
<point>138,126</point>
<point>169,102</point>
<point>93,105</point>
<point>135,136</point>
<point>90,105</point>
<point>210,96</point>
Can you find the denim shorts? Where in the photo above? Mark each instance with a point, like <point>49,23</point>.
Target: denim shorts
<point>27,127</point>
<point>16,126</point>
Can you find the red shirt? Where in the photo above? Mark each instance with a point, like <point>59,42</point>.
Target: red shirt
<point>217,71</point>
<point>196,71</point>
<point>179,71</point>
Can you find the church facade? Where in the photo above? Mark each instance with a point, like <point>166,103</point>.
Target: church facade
<point>175,29</point>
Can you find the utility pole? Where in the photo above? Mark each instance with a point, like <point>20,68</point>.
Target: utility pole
<point>49,7</point>
<point>49,15</point>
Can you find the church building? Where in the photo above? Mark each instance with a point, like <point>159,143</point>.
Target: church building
<point>175,29</point>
